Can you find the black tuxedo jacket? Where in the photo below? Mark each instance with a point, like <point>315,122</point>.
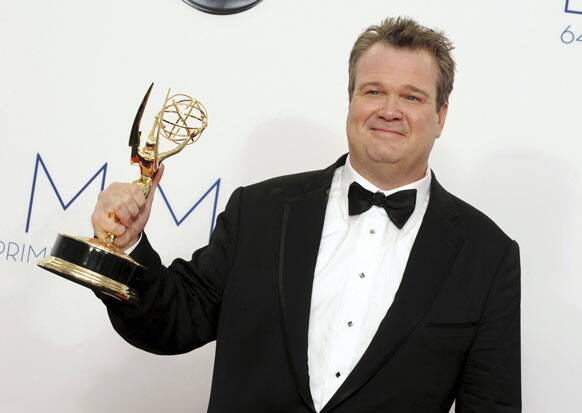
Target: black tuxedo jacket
<point>452,331</point>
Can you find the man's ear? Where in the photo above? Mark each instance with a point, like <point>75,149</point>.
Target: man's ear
<point>441,117</point>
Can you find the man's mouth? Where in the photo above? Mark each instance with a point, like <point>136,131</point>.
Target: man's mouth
<point>387,132</point>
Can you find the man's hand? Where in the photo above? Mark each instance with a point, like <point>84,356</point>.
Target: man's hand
<point>132,210</point>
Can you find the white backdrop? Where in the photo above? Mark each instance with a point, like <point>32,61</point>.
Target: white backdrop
<point>274,80</point>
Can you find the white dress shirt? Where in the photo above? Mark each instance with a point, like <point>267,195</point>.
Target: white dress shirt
<point>360,264</point>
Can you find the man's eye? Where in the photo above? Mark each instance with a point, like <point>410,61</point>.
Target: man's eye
<point>413,98</point>
<point>372,92</point>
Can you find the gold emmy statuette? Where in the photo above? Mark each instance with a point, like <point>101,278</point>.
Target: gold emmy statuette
<point>100,265</point>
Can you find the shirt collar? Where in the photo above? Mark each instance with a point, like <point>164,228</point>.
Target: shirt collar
<point>349,175</point>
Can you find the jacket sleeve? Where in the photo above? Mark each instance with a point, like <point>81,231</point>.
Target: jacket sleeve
<point>180,304</point>
<point>491,380</point>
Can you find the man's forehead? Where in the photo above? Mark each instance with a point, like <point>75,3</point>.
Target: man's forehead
<point>410,67</point>
<point>385,55</point>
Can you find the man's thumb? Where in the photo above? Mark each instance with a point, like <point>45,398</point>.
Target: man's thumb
<point>156,181</point>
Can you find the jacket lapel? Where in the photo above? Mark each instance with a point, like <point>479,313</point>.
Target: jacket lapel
<point>435,248</point>
<point>300,237</point>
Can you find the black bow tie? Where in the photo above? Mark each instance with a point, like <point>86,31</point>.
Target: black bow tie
<point>399,205</point>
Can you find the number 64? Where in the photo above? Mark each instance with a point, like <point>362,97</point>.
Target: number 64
<point>568,36</point>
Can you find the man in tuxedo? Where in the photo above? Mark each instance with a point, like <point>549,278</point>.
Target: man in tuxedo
<point>362,287</point>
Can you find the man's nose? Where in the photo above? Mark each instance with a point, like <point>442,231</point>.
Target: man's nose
<point>390,109</point>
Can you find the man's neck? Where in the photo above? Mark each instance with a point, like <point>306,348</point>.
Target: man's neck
<point>389,177</point>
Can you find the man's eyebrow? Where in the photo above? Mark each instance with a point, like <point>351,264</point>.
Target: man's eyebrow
<point>372,83</point>
<point>417,90</point>
<point>407,87</point>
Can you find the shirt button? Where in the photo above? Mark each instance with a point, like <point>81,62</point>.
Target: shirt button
<point>372,231</point>
<point>338,374</point>
<point>362,275</point>
<point>350,324</point>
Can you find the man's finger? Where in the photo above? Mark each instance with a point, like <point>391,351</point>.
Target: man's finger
<point>121,214</point>
<point>123,240</point>
<point>133,209</point>
<point>105,227</point>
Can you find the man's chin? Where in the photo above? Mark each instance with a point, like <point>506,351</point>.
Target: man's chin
<point>385,156</point>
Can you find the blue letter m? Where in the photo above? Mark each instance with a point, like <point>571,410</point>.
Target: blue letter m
<point>215,187</point>
<point>39,161</point>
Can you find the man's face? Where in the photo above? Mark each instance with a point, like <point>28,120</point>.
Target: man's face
<point>393,120</point>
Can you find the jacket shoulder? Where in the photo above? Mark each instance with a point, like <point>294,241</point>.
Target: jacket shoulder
<point>474,222</point>
<point>285,186</point>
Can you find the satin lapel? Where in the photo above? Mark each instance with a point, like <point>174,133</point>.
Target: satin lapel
<point>300,237</point>
<point>435,248</point>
